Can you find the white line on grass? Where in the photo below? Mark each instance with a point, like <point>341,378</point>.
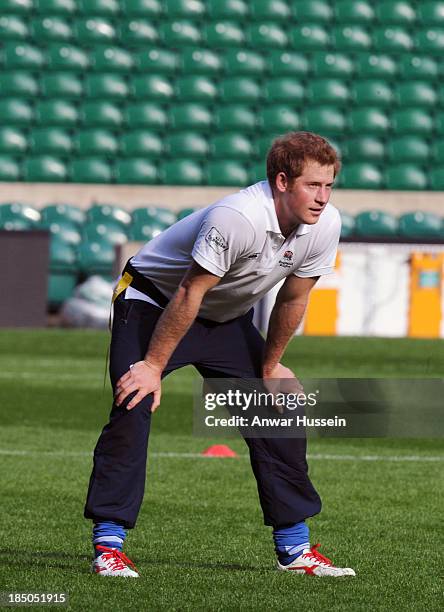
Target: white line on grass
<point>172,455</point>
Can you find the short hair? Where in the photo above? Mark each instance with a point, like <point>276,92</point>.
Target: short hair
<point>290,152</point>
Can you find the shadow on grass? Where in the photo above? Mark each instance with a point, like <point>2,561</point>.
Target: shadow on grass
<point>53,559</point>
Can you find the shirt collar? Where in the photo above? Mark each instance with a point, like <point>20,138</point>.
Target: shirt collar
<point>272,220</point>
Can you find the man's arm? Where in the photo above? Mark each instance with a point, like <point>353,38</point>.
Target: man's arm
<point>285,318</point>
<point>145,376</point>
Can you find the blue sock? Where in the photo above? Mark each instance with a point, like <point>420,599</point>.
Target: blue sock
<point>108,533</point>
<point>289,542</point>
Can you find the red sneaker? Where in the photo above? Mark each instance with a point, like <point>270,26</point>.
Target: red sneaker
<point>113,562</point>
<point>313,563</point>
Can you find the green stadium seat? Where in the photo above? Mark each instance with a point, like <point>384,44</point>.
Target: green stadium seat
<point>180,33</point>
<point>420,225</point>
<point>157,61</point>
<point>347,225</point>
<point>22,55</point>
<point>195,87</point>
<point>325,120</point>
<point>288,63</point>
<point>354,11</point>
<point>44,168</point>
<point>263,143</point>
<point>258,172</point>
<point>332,64</point>
<point>111,59</point>
<point>231,145</point>
<point>90,170</point>
<point>266,36</point>
<point>431,13</point>
<point>105,231</point>
<point>406,176</point>
<point>53,140</point>
<point>136,170</point>
<point>96,141</point>
<point>376,65</point>
<point>185,212</point>
<point>106,85</point>
<point>351,37</point>
<point>235,117</point>
<point>395,12</point>
<point>314,11</point>
<point>361,175</point>
<point>412,121</point>
<point>63,212</point>
<point>16,111</point>
<point>142,143</point>
<point>187,144</point>
<point>309,37</point>
<point>190,116</point>
<point>146,114</point>
<point>437,150</point>
<point>16,7</point>
<point>408,148</point>
<point>195,60</point>
<point>227,9</point>
<point>270,10</point>
<point>436,180</point>
<point>63,271</point>
<point>138,32</point>
<point>416,93</point>
<point>16,210</point>
<point>109,213</point>
<point>181,172</point>
<point>283,89</point>
<point>244,61</point>
<point>372,92</point>
<point>364,148</point>
<point>12,140</point>
<point>419,67</point>
<point>67,57</point>
<point>61,85</point>
<point>439,123</point>
<point>369,120</point>
<point>328,91</point>
<point>56,112</point>
<point>226,172</point>
<point>13,27</point>
<point>101,114</point>
<point>105,8</point>
<point>18,83</point>
<point>9,168</point>
<point>63,230</point>
<point>153,215</point>
<point>51,29</point>
<point>376,224</point>
<point>152,86</point>
<point>240,89</point>
<point>278,118</point>
<point>90,30</point>
<point>145,232</point>
<point>190,9</point>
<point>392,39</point>
<point>96,257</point>
<point>55,7</point>
<point>223,34</point>
<point>151,9</point>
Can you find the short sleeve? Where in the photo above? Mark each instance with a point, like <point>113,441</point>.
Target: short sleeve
<point>322,257</point>
<point>224,236</point>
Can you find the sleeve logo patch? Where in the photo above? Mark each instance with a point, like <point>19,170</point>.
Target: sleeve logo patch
<point>216,241</point>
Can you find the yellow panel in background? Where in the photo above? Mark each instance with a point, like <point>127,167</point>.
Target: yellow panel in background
<point>322,311</point>
<point>426,279</point>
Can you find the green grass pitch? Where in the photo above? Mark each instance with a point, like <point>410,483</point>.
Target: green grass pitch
<point>200,543</point>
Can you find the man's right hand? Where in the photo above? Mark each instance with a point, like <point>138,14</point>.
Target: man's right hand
<point>143,377</point>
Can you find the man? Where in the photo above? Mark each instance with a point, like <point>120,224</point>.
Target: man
<point>187,298</point>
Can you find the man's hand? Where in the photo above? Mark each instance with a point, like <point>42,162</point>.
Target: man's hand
<point>281,380</point>
<point>142,377</point>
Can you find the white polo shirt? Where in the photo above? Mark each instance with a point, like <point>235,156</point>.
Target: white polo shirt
<point>238,239</point>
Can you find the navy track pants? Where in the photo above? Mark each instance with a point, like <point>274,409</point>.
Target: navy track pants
<point>233,349</point>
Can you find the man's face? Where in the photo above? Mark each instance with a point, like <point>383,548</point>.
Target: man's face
<point>304,199</point>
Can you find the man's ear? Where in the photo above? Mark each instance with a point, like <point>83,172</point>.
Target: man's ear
<point>281,182</point>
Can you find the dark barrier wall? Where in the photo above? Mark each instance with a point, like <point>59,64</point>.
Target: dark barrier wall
<point>24,265</point>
